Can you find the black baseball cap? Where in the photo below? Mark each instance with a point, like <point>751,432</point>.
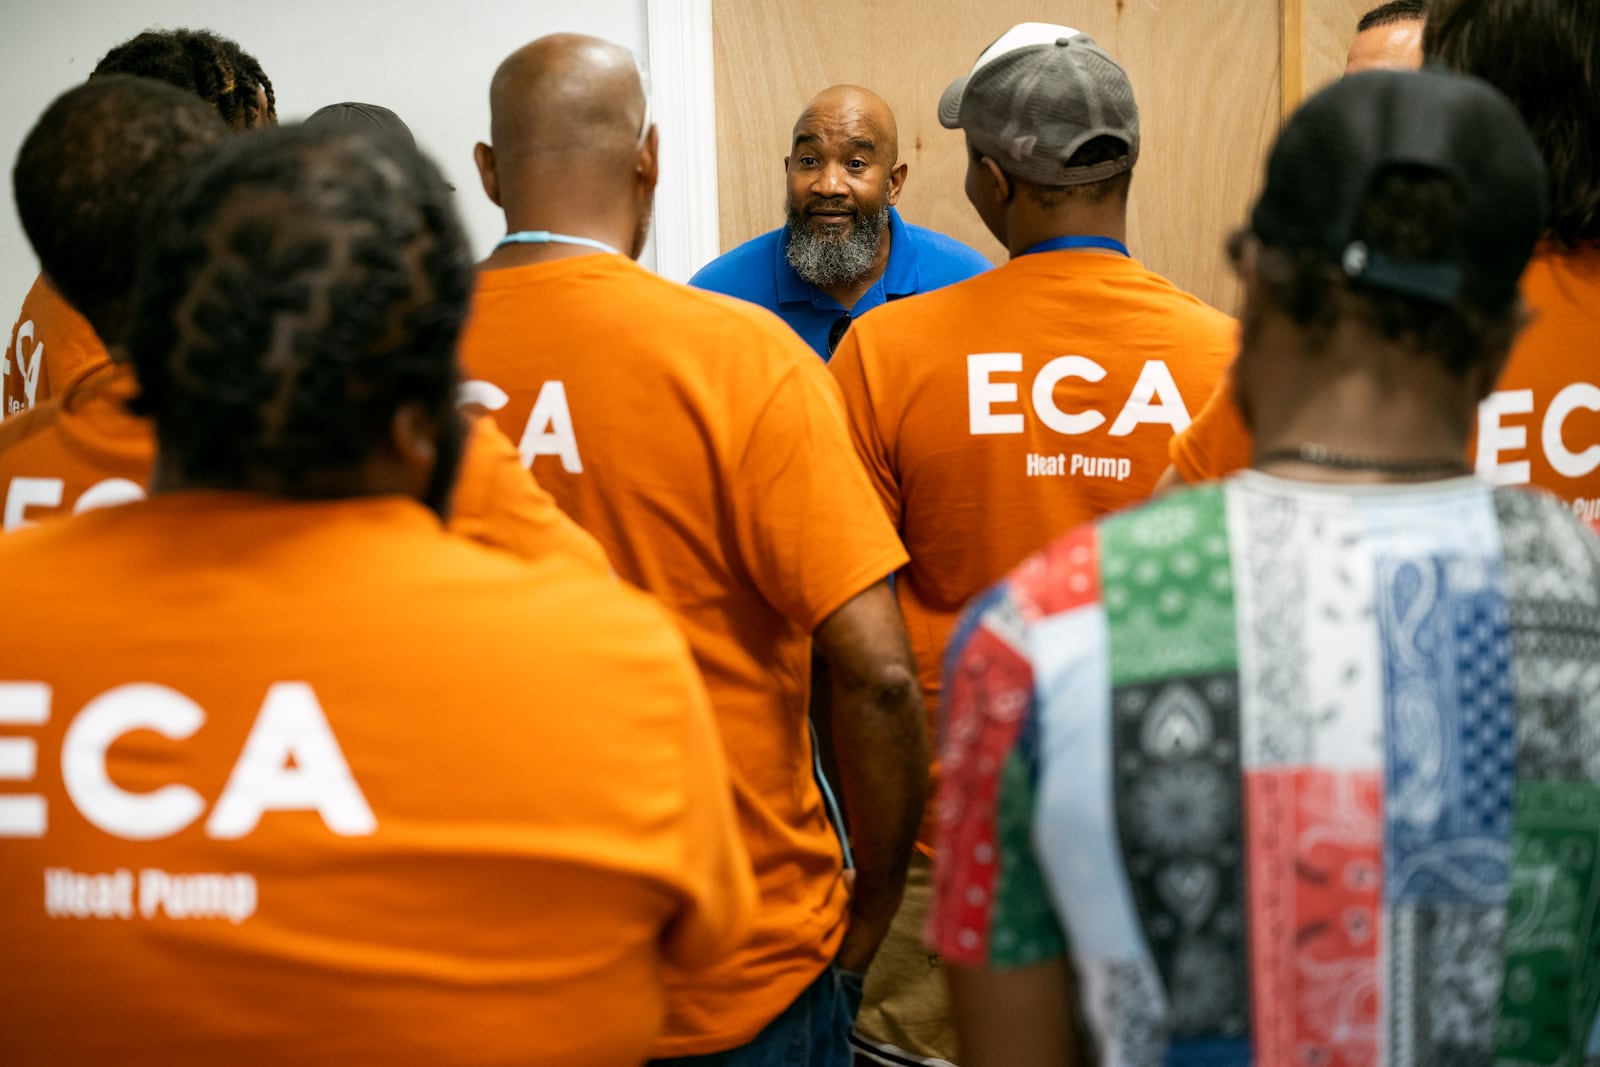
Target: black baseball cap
<point>1334,148</point>
<point>362,116</point>
<point>368,117</point>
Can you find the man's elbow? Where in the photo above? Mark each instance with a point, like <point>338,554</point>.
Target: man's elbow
<point>889,685</point>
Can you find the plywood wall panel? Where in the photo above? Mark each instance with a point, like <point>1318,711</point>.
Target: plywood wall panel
<point>1205,72</point>
<point>1328,27</point>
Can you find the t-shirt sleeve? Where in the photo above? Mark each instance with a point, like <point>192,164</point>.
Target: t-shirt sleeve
<point>810,529</point>
<point>866,433</point>
<point>719,890</point>
<point>1216,443</point>
<point>991,907</point>
<point>498,503</point>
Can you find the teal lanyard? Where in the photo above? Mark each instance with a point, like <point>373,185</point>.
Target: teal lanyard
<point>545,237</point>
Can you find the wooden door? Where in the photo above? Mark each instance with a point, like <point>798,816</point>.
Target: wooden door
<point>1205,73</point>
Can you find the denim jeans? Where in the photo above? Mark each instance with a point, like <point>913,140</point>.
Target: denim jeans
<point>814,1031</point>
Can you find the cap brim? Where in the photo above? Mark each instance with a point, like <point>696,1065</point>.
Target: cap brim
<point>950,103</point>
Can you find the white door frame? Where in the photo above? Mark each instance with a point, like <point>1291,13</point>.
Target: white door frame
<point>683,93</point>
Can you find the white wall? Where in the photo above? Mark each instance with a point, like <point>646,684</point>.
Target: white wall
<point>428,60</point>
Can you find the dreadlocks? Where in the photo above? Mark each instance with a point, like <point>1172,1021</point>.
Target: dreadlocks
<point>301,287</point>
<point>211,66</point>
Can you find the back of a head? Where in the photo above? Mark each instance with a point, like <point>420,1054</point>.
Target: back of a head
<point>1052,109</point>
<point>211,66</point>
<point>1544,55</point>
<point>87,176</point>
<point>371,118</point>
<point>568,101</point>
<point>300,288</point>
<point>1411,200</point>
<point>1392,13</point>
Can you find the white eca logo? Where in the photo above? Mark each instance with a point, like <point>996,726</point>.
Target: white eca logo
<point>290,762</point>
<point>24,493</point>
<point>548,431</point>
<point>1154,399</point>
<point>25,368</point>
<point>1495,436</point>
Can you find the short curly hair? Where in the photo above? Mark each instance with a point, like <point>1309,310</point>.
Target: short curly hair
<point>301,286</point>
<point>209,65</point>
<point>1393,12</point>
<point>87,175</point>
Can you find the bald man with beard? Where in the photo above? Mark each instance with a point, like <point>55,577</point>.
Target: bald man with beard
<point>705,447</point>
<point>844,249</point>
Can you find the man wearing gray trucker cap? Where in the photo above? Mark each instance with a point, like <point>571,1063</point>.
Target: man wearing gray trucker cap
<point>997,412</point>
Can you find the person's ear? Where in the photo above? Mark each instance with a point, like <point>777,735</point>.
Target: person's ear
<point>1490,368</point>
<point>897,181</point>
<point>414,436</point>
<point>649,166</point>
<point>1245,259</point>
<point>483,156</point>
<point>996,180</point>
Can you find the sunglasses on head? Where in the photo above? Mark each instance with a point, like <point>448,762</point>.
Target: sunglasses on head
<point>836,332</point>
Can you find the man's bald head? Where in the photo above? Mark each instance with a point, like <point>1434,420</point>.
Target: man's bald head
<point>570,100</point>
<point>840,105</point>
<point>573,151</point>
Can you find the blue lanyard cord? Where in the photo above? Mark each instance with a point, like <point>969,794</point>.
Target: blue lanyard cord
<point>835,816</point>
<point>545,237</point>
<point>1068,244</point>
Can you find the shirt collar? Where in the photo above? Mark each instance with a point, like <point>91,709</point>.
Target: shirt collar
<point>900,276</point>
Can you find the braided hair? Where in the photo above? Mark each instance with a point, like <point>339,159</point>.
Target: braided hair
<point>211,66</point>
<point>301,286</point>
<point>87,175</point>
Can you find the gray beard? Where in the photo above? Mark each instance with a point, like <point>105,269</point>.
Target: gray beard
<point>835,259</point>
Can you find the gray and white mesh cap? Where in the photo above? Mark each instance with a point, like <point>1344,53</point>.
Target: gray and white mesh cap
<point>1035,96</point>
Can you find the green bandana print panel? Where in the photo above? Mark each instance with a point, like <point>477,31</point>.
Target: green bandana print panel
<point>1024,929</point>
<point>1168,588</point>
<point>1168,594</point>
<point>1552,928</point>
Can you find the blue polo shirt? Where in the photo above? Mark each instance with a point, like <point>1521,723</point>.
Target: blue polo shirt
<point>759,271</point>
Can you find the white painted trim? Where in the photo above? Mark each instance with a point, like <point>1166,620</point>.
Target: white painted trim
<point>683,89</point>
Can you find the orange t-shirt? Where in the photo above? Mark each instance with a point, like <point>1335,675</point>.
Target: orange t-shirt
<point>51,344</point>
<point>1540,426</point>
<point>703,444</point>
<point>995,413</point>
<point>316,782</point>
<point>83,450</point>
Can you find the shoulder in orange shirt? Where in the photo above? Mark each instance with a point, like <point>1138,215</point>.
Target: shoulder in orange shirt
<point>1541,425</point>
<point>704,445</point>
<point>80,451</point>
<point>51,345</point>
<point>84,451</point>
<point>317,782</point>
<point>1000,411</point>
